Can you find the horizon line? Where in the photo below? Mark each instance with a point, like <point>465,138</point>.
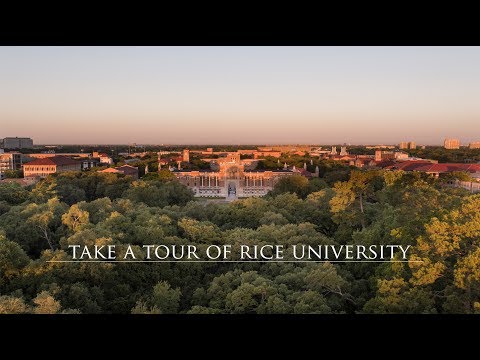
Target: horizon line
<point>235,144</point>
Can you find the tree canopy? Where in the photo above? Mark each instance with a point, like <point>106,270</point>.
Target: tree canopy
<point>343,206</point>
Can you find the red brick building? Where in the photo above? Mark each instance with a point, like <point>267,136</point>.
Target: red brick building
<point>55,164</point>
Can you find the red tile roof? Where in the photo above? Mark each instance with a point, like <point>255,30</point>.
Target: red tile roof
<point>408,165</point>
<point>449,167</point>
<point>367,161</point>
<point>304,172</point>
<point>343,157</point>
<point>383,163</point>
<point>128,170</point>
<point>110,170</point>
<point>54,160</point>
<point>124,169</point>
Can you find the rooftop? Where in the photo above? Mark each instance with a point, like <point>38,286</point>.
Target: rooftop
<point>110,170</point>
<point>127,169</point>
<point>54,160</point>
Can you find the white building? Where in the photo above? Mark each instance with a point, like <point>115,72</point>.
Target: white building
<point>103,158</point>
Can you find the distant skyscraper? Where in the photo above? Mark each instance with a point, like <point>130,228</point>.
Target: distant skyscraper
<point>407,145</point>
<point>186,155</point>
<point>451,144</point>
<point>334,150</point>
<point>17,143</point>
<point>343,151</point>
<point>474,145</point>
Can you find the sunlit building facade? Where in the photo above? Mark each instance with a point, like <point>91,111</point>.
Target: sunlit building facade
<point>229,178</point>
<point>56,164</point>
<point>451,144</point>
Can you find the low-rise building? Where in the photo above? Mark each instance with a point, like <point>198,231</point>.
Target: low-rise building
<point>381,155</point>
<point>384,155</point>
<point>44,167</point>
<point>345,158</point>
<point>380,146</point>
<point>125,170</point>
<point>103,158</point>
<point>89,163</point>
<point>262,154</point>
<point>400,155</point>
<point>52,153</point>
<point>472,186</point>
<point>286,148</point>
<point>362,161</point>
<point>10,161</point>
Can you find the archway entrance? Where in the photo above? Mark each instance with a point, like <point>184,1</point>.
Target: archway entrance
<point>232,189</point>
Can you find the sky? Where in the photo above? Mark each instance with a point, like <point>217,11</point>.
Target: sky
<point>240,95</point>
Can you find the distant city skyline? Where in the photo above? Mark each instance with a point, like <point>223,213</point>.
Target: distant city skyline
<point>240,95</point>
<point>241,144</point>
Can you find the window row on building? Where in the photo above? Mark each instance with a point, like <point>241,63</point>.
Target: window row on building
<point>42,168</point>
<point>207,192</point>
<point>262,191</point>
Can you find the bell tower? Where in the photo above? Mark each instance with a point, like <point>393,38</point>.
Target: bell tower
<point>186,155</point>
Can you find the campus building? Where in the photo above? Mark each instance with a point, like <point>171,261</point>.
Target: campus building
<point>126,170</point>
<point>55,164</point>
<point>230,177</point>
<point>10,161</point>
<point>102,158</point>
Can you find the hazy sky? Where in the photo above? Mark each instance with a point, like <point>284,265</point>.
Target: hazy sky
<point>225,95</point>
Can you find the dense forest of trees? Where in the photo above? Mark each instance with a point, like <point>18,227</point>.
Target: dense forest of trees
<point>344,206</point>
